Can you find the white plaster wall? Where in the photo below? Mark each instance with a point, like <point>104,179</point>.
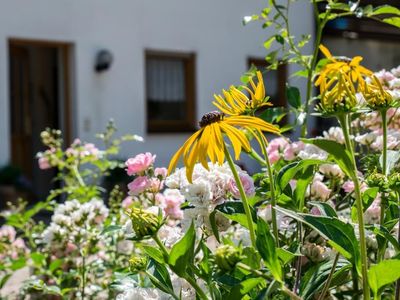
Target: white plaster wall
<point>211,28</point>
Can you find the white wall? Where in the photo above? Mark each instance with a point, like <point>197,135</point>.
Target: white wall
<point>213,29</point>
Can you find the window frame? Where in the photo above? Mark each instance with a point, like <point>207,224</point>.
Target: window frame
<point>175,126</point>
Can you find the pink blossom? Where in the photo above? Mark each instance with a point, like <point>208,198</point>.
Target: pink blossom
<point>373,212</point>
<point>320,191</point>
<point>155,185</point>
<point>171,203</point>
<point>273,156</point>
<point>7,232</point>
<point>247,182</point>
<point>139,185</point>
<point>90,150</point>
<point>315,211</point>
<point>139,163</point>
<point>127,202</point>
<point>44,163</point>
<point>348,186</point>
<point>70,247</point>
<point>161,172</point>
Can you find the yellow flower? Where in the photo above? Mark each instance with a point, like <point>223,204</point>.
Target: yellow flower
<point>376,96</point>
<point>235,102</point>
<point>336,66</point>
<point>209,142</point>
<point>338,96</point>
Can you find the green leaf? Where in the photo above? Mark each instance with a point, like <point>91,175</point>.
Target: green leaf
<point>154,253</point>
<point>38,258</point>
<point>234,211</point>
<point>385,10</point>
<point>384,273</point>
<point>161,273</point>
<point>315,278</point>
<point>266,246</point>
<point>182,252</point>
<point>268,43</point>
<point>382,231</point>
<point>285,256</point>
<point>279,39</point>
<point>395,21</point>
<point>340,235</point>
<point>111,228</point>
<point>293,96</point>
<point>18,264</point>
<point>55,264</point>
<point>244,287</point>
<point>338,152</point>
<point>289,172</point>
<point>304,177</point>
<point>368,196</point>
<point>324,208</point>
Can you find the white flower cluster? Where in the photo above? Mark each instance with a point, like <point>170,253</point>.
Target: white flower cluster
<point>208,189</point>
<point>73,223</point>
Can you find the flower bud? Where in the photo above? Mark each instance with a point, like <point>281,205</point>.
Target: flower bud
<point>138,263</point>
<point>394,182</point>
<point>376,96</point>
<point>144,223</point>
<point>314,252</point>
<point>227,257</point>
<point>377,180</point>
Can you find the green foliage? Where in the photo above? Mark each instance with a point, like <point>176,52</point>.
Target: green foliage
<point>267,247</point>
<point>182,253</point>
<point>382,274</point>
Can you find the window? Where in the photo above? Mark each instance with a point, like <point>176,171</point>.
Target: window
<point>170,91</point>
<point>275,83</point>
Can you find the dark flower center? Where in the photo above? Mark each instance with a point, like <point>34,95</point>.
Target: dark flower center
<point>211,117</point>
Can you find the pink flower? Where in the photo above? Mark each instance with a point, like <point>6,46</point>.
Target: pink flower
<point>90,150</point>
<point>139,163</point>
<point>70,247</point>
<point>320,191</point>
<point>348,186</point>
<point>373,213</point>
<point>44,163</point>
<point>160,172</point>
<point>155,185</point>
<point>127,202</point>
<point>171,203</point>
<point>248,185</point>
<point>139,185</point>
<point>273,156</point>
<point>7,232</point>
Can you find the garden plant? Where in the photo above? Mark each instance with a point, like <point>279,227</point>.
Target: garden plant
<point>320,220</point>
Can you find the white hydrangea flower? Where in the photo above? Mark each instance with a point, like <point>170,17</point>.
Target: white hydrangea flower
<point>312,152</point>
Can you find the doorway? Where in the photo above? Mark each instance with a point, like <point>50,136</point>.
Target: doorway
<point>39,98</point>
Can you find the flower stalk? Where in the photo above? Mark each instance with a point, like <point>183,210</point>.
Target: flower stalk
<point>242,196</point>
<point>272,191</point>
<point>344,122</point>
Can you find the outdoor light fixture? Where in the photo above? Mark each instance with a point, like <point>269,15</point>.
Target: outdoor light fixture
<point>104,60</point>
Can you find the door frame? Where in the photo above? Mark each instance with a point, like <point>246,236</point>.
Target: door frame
<point>65,49</point>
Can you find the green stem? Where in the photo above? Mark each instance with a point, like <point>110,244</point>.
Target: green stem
<point>198,289</point>
<point>397,297</point>
<point>343,120</point>
<point>381,252</point>
<point>265,276</point>
<point>272,190</point>
<point>154,279</point>
<point>384,153</point>
<point>329,280</point>
<point>78,176</point>
<point>161,245</point>
<point>318,36</point>
<point>243,197</point>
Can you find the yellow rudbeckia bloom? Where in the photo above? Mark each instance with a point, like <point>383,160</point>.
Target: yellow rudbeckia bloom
<point>209,142</point>
<point>350,67</point>
<point>235,102</point>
